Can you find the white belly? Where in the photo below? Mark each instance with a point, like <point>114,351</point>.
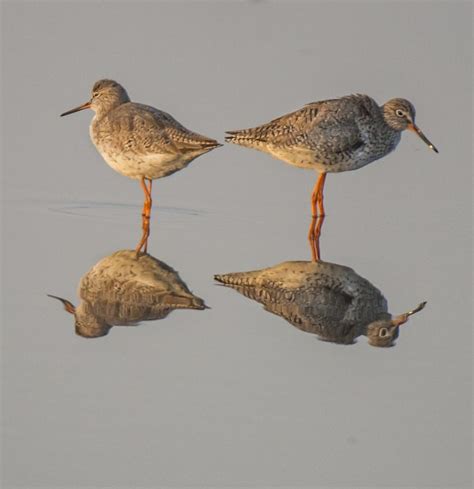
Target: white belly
<point>144,166</point>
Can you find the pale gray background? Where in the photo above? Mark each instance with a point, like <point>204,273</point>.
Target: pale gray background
<point>234,396</point>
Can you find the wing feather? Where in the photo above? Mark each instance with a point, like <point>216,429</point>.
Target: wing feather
<point>330,126</point>
<point>139,128</point>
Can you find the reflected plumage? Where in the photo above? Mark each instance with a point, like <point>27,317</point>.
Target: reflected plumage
<point>329,300</point>
<point>139,141</point>
<point>123,289</point>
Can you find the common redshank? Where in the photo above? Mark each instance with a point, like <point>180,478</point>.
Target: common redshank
<point>139,141</point>
<point>332,136</point>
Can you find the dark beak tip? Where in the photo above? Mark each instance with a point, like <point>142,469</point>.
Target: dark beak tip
<point>87,105</point>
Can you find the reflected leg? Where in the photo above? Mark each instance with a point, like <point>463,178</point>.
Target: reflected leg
<point>312,241</point>
<point>318,227</point>
<point>321,181</point>
<point>317,210</point>
<point>148,215</point>
<point>145,217</point>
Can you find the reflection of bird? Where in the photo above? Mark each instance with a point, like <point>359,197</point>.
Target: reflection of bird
<point>121,290</point>
<point>333,136</point>
<point>329,300</point>
<point>139,141</point>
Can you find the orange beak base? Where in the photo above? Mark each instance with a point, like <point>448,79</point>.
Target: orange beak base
<point>413,127</point>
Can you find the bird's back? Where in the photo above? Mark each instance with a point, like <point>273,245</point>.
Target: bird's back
<point>331,135</point>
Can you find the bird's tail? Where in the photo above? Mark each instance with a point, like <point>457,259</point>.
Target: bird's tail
<point>238,278</point>
<point>211,144</point>
<point>174,301</point>
<point>238,135</point>
<point>249,138</point>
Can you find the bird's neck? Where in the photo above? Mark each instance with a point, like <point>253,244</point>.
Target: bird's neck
<point>109,104</point>
<point>89,324</point>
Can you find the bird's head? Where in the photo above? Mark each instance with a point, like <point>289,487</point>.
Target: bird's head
<point>384,332</point>
<point>106,95</point>
<point>400,114</point>
<point>86,323</point>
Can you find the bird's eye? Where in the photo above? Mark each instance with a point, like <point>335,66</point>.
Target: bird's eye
<point>399,112</point>
<point>383,332</point>
<point>95,94</point>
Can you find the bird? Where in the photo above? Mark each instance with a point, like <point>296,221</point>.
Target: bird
<point>140,141</point>
<point>323,298</point>
<point>123,289</point>
<point>332,136</point>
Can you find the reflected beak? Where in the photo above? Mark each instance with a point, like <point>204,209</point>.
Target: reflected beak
<point>67,305</point>
<point>413,127</point>
<point>399,320</point>
<point>418,308</point>
<point>77,109</point>
<point>403,318</point>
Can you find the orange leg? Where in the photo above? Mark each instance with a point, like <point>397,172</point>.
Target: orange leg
<point>313,238</point>
<point>312,241</point>
<point>317,211</point>
<point>319,226</point>
<point>146,213</point>
<point>321,181</point>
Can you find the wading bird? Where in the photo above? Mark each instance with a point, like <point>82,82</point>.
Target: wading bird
<point>332,136</point>
<point>139,141</point>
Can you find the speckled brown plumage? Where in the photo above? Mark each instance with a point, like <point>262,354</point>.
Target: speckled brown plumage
<point>332,136</point>
<point>329,300</point>
<point>123,289</point>
<point>139,141</point>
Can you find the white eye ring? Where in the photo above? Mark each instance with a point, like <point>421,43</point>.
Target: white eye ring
<point>399,112</point>
<point>383,332</point>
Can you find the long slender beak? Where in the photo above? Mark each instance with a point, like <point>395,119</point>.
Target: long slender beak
<point>418,308</point>
<point>77,109</point>
<point>67,305</point>
<point>403,318</point>
<point>413,127</point>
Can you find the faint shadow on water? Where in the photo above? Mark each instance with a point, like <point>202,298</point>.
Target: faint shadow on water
<point>326,299</point>
<point>113,209</point>
<point>125,288</point>
<point>102,210</point>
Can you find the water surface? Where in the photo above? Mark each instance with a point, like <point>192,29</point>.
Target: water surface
<point>231,396</point>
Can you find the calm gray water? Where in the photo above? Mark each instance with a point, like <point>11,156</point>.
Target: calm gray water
<point>234,396</point>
